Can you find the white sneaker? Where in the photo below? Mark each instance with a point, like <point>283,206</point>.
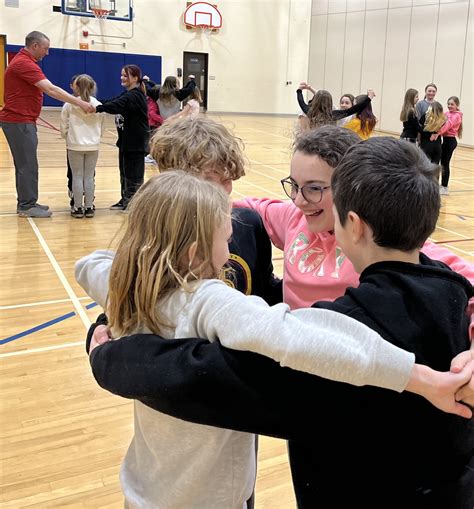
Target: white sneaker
<point>443,191</point>
<point>149,159</point>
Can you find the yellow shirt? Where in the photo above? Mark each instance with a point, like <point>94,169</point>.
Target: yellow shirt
<point>354,125</point>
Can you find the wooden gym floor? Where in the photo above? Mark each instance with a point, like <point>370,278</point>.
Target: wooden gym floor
<point>62,438</point>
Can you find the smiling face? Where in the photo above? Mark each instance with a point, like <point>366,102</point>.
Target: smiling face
<point>345,103</point>
<point>311,169</point>
<point>452,106</point>
<point>127,80</point>
<point>430,93</point>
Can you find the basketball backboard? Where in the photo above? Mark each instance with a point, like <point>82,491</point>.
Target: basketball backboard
<point>119,10</point>
<point>202,14</point>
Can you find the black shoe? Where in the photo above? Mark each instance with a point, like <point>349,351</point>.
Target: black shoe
<point>89,213</point>
<point>117,206</point>
<point>77,213</point>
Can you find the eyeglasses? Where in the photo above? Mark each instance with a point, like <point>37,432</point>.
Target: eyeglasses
<point>311,193</point>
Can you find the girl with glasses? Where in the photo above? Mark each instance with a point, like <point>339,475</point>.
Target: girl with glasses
<point>315,268</point>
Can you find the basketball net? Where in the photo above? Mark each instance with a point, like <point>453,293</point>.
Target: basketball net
<point>100,13</point>
<point>205,30</point>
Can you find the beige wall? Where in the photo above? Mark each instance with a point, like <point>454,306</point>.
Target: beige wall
<point>392,45</point>
<point>262,45</point>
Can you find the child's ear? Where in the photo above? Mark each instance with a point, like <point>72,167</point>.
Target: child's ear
<point>356,225</point>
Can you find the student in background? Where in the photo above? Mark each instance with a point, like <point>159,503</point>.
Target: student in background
<point>411,124</point>
<point>432,122</point>
<point>82,132</point>
<point>345,102</point>
<point>192,108</point>
<point>171,96</point>
<point>69,171</point>
<point>422,106</point>
<point>321,111</point>
<point>155,120</point>
<point>363,122</point>
<point>449,130</point>
<point>131,119</point>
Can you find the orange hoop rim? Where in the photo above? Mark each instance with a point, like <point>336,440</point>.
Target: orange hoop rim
<point>100,13</point>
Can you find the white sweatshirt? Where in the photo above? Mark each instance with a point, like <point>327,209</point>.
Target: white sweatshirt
<point>82,131</point>
<point>175,464</point>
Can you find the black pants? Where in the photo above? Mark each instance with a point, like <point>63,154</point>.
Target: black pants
<point>447,148</point>
<point>132,172</point>
<point>432,149</point>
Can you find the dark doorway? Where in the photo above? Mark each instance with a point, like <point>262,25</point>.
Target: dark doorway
<point>196,63</point>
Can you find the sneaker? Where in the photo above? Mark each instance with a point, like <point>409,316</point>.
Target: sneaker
<point>35,212</point>
<point>149,159</point>
<point>77,213</point>
<point>443,191</point>
<point>117,206</point>
<point>89,213</point>
<point>38,205</point>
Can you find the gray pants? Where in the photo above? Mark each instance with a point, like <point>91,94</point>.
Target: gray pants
<point>23,142</point>
<point>83,171</point>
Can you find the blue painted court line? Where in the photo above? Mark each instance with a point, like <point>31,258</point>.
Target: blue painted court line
<point>44,325</point>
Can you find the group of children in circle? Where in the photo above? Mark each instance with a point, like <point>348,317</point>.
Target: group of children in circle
<point>138,111</point>
<point>177,239</point>
<point>424,121</point>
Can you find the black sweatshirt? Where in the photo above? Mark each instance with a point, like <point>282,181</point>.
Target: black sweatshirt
<point>336,114</point>
<point>349,446</point>
<point>411,127</point>
<point>251,258</point>
<point>131,119</point>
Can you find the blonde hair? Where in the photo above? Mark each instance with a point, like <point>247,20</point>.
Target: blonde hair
<point>408,104</point>
<point>435,118</point>
<point>169,89</point>
<point>198,145</point>
<point>86,86</point>
<point>320,111</point>
<point>169,213</point>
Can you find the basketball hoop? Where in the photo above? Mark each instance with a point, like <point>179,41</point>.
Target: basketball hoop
<point>100,13</point>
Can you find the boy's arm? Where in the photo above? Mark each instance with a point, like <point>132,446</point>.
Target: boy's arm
<point>275,215</point>
<point>186,90</point>
<point>92,273</point>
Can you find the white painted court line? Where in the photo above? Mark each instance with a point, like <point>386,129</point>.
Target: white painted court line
<point>269,134</point>
<point>451,247</point>
<point>43,349</point>
<point>41,303</point>
<point>266,191</point>
<point>454,233</point>
<point>279,170</point>
<point>75,301</point>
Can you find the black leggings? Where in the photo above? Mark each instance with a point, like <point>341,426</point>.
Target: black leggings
<point>132,171</point>
<point>432,149</point>
<point>447,148</point>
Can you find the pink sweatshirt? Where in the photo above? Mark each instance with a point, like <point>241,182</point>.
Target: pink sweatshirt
<point>315,268</point>
<point>452,124</point>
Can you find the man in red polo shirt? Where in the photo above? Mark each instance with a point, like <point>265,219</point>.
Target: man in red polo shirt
<point>25,84</point>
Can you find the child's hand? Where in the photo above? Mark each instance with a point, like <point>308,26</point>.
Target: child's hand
<point>440,389</point>
<point>434,137</point>
<point>466,393</point>
<point>371,93</point>
<point>101,335</point>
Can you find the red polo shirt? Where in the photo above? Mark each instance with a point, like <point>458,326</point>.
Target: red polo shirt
<point>23,101</point>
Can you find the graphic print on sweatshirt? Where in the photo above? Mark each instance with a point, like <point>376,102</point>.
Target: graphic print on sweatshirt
<point>311,259</point>
<point>239,276</point>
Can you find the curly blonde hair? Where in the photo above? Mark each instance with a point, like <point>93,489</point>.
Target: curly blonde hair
<point>167,215</point>
<point>435,118</point>
<point>198,145</point>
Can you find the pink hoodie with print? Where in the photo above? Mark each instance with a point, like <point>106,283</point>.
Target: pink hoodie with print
<point>314,267</point>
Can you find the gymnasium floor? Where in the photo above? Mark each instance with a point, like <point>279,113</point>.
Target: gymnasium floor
<point>62,438</point>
